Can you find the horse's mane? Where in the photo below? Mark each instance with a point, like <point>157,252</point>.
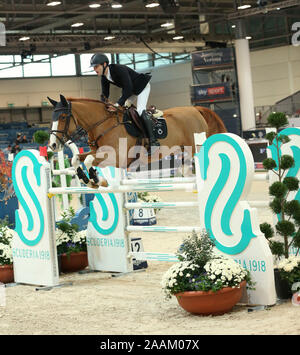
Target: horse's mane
<point>80,99</point>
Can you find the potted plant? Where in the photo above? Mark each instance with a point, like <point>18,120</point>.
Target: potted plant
<point>6,258</point>
<point>42,137</point>
<point>71,244</point>
<point>203,281</point>
<point>287,209</point>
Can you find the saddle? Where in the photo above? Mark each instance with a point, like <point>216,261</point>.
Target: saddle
<point>135,127</point>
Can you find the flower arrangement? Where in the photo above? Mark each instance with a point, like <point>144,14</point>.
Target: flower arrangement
<point>200,268</point>
<point>68,238</point>
<point>6,235</point>
<point>144,196</point>
<point>289,269</point>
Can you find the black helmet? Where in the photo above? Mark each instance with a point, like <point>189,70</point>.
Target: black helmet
<point>99,58</point>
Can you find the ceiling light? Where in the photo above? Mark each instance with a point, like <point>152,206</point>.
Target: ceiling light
<point>116,5</point>
<point>152,3</point>
<point>53,3</point>
<point>243,7</point>
<point>24,38</point>
<point>248,37</point>
<point>233,26</point>
<point>94,5</point>
<point>177,37</point>
<point>166,24</point>
<point>77,24</point>
<point>107,38</point>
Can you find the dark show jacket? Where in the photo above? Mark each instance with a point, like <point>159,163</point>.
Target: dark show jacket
<point>131,82</point>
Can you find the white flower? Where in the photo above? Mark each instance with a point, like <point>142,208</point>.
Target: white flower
<point>288,264</point>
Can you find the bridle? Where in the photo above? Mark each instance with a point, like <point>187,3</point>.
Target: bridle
<point>68,116</point>
<point>79,131</point>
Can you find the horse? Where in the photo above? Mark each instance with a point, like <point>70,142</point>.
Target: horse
<point>111,145</point>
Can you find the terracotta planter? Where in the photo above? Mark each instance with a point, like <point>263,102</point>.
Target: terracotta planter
<point>74,261</point>
<point>6,273</point>
<point>210,303</point>
<point>283,289</point>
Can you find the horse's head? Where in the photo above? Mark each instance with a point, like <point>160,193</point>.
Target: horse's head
<point>63,123</point>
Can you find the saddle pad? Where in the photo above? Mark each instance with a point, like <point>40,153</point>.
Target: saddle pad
<point>160,127</point>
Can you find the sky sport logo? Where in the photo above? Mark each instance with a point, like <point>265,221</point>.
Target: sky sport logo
<point>2,35</point>
<point>296,35</point>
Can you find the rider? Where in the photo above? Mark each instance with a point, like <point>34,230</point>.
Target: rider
<point>131,82</point>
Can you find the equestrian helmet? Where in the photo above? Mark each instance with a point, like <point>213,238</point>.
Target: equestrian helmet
<point>99,58</point>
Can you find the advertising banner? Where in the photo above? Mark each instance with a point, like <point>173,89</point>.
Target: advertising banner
<point>211,92</point>
<point>212,58</point>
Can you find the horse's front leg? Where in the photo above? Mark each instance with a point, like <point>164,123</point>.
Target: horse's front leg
<point>94,178</point>
<point>76,160</point>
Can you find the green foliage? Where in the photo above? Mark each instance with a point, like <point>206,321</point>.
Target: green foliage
<point>277,119</point>
<point>278,189</point>
<point>291,183</point>
<point>197,249</point>
<point>5,242</point>
<point>270,137</point>
<point>291,208</point>
<point>50,155</point>
<point>267,229</point>
<point>285,228</point>
<point>276,205</point>
<point>288,211</point>
<point>269,164</point>
<point>68,238</point>
<point>284,139</point>
<point>296,239</point>
<point>286,162</point>
<point>41,137</point>
<point>277,248</point>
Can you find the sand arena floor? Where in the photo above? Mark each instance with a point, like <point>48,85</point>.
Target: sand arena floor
<point>97,303</point>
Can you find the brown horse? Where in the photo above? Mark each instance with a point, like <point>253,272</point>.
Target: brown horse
<point>109,141</point>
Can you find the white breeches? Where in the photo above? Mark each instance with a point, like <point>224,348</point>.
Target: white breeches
<point>141,99</point>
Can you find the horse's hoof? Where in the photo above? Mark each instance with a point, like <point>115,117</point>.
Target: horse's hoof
<point>93,175</point>
<point>81,175</point>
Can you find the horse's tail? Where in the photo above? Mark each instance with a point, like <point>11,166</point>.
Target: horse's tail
<point>214,121</point>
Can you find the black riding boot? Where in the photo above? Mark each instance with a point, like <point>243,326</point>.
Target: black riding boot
<point>149,127</point>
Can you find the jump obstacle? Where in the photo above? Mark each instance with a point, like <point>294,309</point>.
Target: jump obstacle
<point>224,173</point>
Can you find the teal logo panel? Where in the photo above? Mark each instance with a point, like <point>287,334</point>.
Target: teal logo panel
<point>226,215</point>
<point>24,180</point>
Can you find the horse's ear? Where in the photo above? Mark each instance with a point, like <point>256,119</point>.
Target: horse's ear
<point>64,101</point>
<point>53,102</point>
